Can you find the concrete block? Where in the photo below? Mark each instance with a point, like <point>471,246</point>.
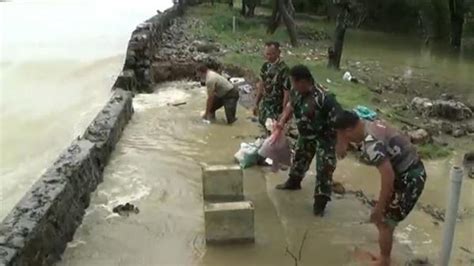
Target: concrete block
<point>222,183</point>
<point>229,222</point>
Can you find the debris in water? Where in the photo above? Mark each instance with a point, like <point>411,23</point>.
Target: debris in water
<point>253,119</point>
<point>125,209</point>
<point>466,250</point>
<point>177,104</point>
<point>338,188</point>
<point>419,262</point>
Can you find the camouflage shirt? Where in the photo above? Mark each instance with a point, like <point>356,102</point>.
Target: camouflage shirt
<point>383,142</point>
<point>314,112</point>
<point>275,79</point>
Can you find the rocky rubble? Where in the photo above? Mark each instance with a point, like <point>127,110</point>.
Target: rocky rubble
<point>178,52</point>
<point>445,116</point>
<point>443,108</point>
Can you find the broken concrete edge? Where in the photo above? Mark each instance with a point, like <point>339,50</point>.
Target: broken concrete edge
<point>38,228</point>
<point>136,74</point>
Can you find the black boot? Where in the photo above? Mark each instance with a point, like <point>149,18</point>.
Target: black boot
<point>319,205</point>
<point>290,184</point>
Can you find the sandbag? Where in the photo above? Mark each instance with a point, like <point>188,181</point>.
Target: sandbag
<point>247,155</point>
<point>278,150</point>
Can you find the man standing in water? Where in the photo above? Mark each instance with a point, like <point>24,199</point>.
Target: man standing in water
<point>273,88</point>
<point>315,111</point>
<point>220,92</point>
<point>401,170</point>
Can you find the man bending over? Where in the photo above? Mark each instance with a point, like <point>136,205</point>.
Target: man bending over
<point>220,92</point>
<point>401,170</point>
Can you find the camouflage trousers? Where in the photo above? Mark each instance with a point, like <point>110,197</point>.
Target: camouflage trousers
<point>408,187</point>
<point>268,110</point>
<point>324,149</point>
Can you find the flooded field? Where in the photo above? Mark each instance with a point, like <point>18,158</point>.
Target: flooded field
<point>156,166</point>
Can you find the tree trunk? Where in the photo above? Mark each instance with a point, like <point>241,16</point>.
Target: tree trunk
<point>280,13</point>
<point>243,12</point>
<point>275,19</point>
<point>291,8</point>
<point>231,3</point>
<point>335,52</point>
<point>181,7</point>
<point>456,10</point>
<point>289,22</point>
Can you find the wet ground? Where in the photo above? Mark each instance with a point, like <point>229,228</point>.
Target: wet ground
<point>156,166</point>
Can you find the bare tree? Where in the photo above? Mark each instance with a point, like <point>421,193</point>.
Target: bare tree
<point>456,11</point>
<point>248,8</point>
<point>283,10</point>
<point>342,22</point>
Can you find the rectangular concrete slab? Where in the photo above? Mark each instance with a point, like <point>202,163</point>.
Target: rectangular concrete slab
<point>229,222</point>
<point>222,183</point>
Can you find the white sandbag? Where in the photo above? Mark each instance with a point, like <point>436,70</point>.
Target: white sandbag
<point>277,150</point>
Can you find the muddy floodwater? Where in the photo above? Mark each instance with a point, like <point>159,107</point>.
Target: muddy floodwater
<point>58,61</point>
<point>156,166</point>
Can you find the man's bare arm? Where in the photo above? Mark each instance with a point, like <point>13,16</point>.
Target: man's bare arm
<point>386,191</point>
<point>209,104</point>
<point>286,98</point>
<point>285,116</point>
<point>210,99</point>
<point>259,87</point>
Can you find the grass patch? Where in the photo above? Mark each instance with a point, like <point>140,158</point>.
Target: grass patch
<point>432,151</point>
<point>246,44</point>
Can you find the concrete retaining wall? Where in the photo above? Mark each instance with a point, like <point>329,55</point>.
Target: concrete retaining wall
<point>38,228</point>
<point>136,74</point>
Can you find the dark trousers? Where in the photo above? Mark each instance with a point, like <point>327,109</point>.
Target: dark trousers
<point>229,101</point>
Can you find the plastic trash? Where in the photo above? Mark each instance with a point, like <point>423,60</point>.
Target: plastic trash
<point>269,123</point>
<point>278,150</point>
<point>236,80</point>
<point>347,76</point>
<point>365,112</point>
<point>247,155</point>
<point>246,88</point>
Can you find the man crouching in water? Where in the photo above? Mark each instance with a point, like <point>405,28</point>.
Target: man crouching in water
<point>402,172</point>
<point>220,92</point>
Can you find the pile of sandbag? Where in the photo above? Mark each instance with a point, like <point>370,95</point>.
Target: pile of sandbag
<point>275,149</point>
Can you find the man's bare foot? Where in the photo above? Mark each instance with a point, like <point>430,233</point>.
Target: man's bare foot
<point>381,261</point>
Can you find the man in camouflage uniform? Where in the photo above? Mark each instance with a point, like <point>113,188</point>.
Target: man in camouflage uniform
<point>273,88</point>
<point>315,111</point>
<point>402,172</point>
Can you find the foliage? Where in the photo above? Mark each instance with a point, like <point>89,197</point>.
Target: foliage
<point>432,151</point>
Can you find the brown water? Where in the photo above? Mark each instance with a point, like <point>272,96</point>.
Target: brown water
<point>156,166</point>
<point>58,61</point>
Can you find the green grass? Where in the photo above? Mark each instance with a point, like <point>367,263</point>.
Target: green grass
<point>431,151</point>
